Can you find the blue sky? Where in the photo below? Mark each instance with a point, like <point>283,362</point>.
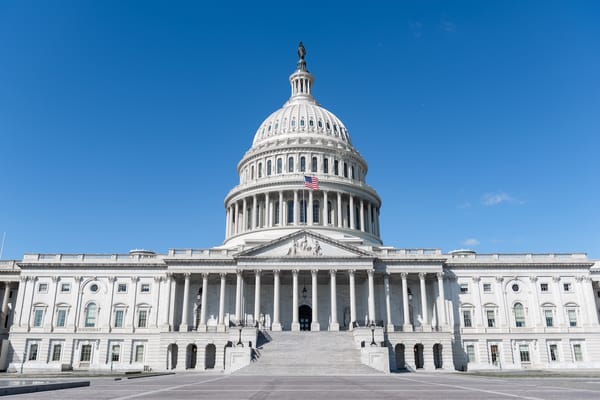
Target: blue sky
<point>121,123</point>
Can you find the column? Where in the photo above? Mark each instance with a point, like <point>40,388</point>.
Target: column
<point>134,283</point>
<point>236,217</point>
<point>339,210</point>
<point>369,218</point>
<point>221,321</point>
<point>442,300</point>
<point>254,212</point>
<point>377,221</point>
<point>244,215</point>
<point>203,301</point>
<point>281,208</point>
<point>351,223</point>
<point>186,298</point>
<point>371,298</point>
<point>535,310</point>
<point>227,225</point>
<point>171,316</point>
<point>112,281</point>
<point>295,323</point>
<point>406,324</point>
<point>314,326</point>
<point>267,211</point>
<point>333,325</point>
<point>588,289</point>
<point>310,208</point>
<point>49,321</point>
<point>352,299</point>
<point>21,298</point>
<point>325,209</point>
<point>158,283</point>
<point>238,295</point>
<point>5,304</point>
<point>296,209</point>
<point>423,300</point>
<point>556,294</point>
<point>388,307</point>
<point>362,215</point>
<point>256,296</point>
<point>276,326</point>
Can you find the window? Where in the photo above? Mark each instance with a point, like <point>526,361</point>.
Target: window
<point>38,317</point>
<point>515,287</point>
<point>549,318</point>
<point>487,287</point>
<point>329,213</point>
<point>293,123</point>
<point>279,165</point>
<point>315,211</point>
<point>491,318</point>
<point>252,172</point>
<point>65,287</point>
<point>276,206</point>
<point>302,122</point>
<point>313,164</point>
<point>115,353</point>
<point>572,314</point>
<point>90,315</point>
<point>471,353</point>
<point>61,317</point>
<point>56,351</point>
<point>119,318</point>
<point>122,288</point>
<point>142,318</point>
<point>260,170</point>
<point>543,287</point>
<point>325,166</point>
<point>524,353</point>
<point>336,167</point>
<point>33,352</point>
<point>94,287</point>
<point>467,322</point>
<point>464,288</point>
<point>352,172</point>
<point>290,212</point>
<point>139,353</point>
<point>567,287</point>
<point>302,164</point>
<point>145,288</point>
<point>553,352</point>
<point>345,170</point>
<point>291,164</point>
<point>494,354</point>
<point>302,211</point>
<point>577,352</point>
<point>519,315</point>
<point>86,353</point>
<point>268,167</point>
<point>43,288</point>
<point>311,123</point>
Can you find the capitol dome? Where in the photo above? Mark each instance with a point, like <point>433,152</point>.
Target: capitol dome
<point>302,141</point>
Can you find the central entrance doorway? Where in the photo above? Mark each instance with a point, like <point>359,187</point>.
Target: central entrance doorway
<point>305,317</point>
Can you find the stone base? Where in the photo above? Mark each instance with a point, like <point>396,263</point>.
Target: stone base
<point>315,326</point>
<point>220,328</point>
<point>183,328</point>
<point>201,328</point>
<point>390,328</point>
<point>295,326</point>
<point>407,328</point>
<point>334,327</point>
<point>276,327</point>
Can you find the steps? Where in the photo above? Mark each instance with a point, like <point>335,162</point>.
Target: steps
<point>306,353</point>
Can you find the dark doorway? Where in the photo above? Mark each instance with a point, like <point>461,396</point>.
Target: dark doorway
<point>400,362</point>
<point>419,356</point>
<point>172,356</point>
<point>192,351</point>
<point>305,317</point>
<point>437,355</point>
<point>210,356</point>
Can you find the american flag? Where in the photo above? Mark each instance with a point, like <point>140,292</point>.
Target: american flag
<point>311,182</point>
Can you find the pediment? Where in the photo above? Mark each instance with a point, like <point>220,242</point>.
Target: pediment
<point>304,244</point>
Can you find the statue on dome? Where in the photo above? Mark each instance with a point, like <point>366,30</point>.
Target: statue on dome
<point>301,51</point>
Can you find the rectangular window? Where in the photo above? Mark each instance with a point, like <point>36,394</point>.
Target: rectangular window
<point>572,317</point>
<point>61,317</point>
<point>33,350</point>
<point>142,318</point>
<point>145,288</point>
<point>471,353</point>
<point>56,351</point>
<point>464,288</point>
<point>491,318</point>
<point>43,287</point>
<point>549,318</point>
<point>577,352</point>
<point>86,353</point>
<point>524,353</point>
<point>467,318</point>
<point>336,167</point>
<point>119,318</point>
<point>65,287</point>
<point>290,212</point>
<point>139,353</point>
<point>38,317</point>
<point>115,353</point>
<point>494,354</point>
<point>487,287</point>
<point>567,287</point>
<point>553,352</point>
<point>122,288</point>
<point>543,287</point>
<point>325,165</point>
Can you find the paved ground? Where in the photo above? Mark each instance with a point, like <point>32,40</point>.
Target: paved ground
<point>444,386</point>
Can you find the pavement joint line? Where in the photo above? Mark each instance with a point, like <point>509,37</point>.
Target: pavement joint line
<point>575,388</point>
<point>476,389</point>
<point>133,396</point>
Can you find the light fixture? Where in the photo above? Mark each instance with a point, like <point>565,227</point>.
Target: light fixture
<point>304,292</point>
<point>409,295</point>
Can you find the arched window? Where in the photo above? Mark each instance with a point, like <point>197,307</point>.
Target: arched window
<point>519,315</point>
<point>325,165</point>
<point>91,312</point>
<point>336,167</point>
<point>302,164</point>
<point>313,166</point>
<point>345,170</point>
<point>279,165</point>
<point>252,172</point>
<point>302,123</point>
<point>269,168</point>
<point>316,208</point>
<point>260,170</point>
<point>291,164</point>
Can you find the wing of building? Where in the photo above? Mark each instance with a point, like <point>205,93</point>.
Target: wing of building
<point>301,281</point>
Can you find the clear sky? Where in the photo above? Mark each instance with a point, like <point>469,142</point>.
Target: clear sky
<point>122,123</point>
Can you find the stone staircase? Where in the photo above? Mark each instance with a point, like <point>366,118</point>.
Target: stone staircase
<point>306,353</point>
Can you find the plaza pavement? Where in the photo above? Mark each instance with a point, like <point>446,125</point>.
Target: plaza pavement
<point>446,386</point>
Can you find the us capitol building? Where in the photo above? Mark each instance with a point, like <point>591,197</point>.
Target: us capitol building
<point>302,280</point>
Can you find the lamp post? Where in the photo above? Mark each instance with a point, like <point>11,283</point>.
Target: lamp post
<point>373,334</point>
<point>23,360</point>
<point>239,343</point>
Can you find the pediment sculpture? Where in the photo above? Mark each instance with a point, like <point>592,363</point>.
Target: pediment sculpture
<point>305,247</point>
